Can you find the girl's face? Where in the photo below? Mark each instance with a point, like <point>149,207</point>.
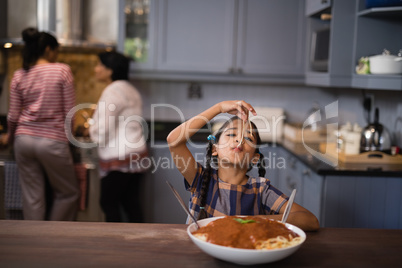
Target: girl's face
<point>102,73</point>
<point>231,150</point>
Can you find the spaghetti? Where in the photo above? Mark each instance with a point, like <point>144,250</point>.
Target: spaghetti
<point>249,232</point>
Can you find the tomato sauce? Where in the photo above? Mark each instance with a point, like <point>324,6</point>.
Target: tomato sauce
<point>243,232</point>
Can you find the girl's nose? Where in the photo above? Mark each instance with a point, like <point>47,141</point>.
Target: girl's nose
<point>237,140</point>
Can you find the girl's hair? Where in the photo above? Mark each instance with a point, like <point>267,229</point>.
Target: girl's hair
<point>35,46</point>
<point>118,63</point>
<point>206,177</point>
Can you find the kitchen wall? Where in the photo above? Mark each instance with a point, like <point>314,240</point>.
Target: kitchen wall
<point>82,62</point>
<point>296,100</point>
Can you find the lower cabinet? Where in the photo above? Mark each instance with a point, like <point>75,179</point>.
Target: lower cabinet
<point>363,202</point>
<point>160,205</point>
<point>343,201</point>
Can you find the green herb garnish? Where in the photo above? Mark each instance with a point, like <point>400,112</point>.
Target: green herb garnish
<point>243,221</point>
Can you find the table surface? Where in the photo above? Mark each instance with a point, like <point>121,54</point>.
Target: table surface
<point>98,244</point>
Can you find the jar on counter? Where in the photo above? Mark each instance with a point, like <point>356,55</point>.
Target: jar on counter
<point>348,139</point>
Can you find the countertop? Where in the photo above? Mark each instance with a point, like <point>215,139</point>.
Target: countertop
<point>90,244</point>
<point>342,169</point>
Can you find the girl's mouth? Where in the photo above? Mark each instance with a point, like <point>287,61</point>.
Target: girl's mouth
<point>238,149</point>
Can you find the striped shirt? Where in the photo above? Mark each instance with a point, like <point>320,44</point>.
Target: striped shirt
<point>40,100</point>
<point>256,197</point>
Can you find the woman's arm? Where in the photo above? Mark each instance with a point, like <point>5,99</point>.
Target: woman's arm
<point>178,137</point>
<point>15,107</point>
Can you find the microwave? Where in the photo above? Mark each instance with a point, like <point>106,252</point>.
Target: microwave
<point>319,50</point>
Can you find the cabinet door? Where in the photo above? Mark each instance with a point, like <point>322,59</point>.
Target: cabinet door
<point>315,6</point>
<point>163,206</point>
<point>362,202</point>
<point>290,176</point>
<point>195,35</point>
<point>312,191</point>
<point>270,37</point>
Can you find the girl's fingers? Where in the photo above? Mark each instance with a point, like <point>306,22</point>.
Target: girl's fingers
<point>244,108</point>
<point>239,108</point>
<point>249,107</point>
<point>242,112</point>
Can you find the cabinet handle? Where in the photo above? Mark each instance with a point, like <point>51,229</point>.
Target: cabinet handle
<point>324,1</point>
<point>239,70</point>
<point>232,70</point>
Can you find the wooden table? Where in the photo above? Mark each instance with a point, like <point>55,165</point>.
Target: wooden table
<point>97,244</point>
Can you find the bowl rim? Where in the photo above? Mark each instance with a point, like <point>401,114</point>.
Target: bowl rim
<point>292,227</point>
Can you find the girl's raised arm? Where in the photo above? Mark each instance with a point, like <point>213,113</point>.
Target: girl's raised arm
<point>179,136</point>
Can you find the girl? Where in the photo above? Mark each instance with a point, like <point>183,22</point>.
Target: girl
<point>226,189</point>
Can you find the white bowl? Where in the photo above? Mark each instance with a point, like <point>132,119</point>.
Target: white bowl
<point>244,256</point>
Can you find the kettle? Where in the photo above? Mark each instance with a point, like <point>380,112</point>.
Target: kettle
<point>375,137</point>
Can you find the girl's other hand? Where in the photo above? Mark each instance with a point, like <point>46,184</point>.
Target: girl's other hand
<point>239,108</point>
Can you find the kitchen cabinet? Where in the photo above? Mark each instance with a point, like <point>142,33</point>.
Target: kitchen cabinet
<point>340,51</point>
<point>364,202</point>
<point>296,175</point>
<point>137,32</point>
<point>314,7</point>
<point>228,41</point>
<point>377,29</point>
<point>343,201</point>
<point>195,36</point>
<point>263,48</point>
<point>161,205</point>
<point>290,176</point>
<point>355,32</point>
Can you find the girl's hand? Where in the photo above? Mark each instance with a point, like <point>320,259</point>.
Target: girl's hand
<point>239,108</point>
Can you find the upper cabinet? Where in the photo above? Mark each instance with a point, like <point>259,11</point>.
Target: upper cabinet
<point>314,7</point>
<point>311,42</point>
<point>195,36</point>
<point>137,32</point>
<point>378,28</point>
<point>355,30</point>
<point>270,39</point>
<point>226,40</point>
<point>330,31</point>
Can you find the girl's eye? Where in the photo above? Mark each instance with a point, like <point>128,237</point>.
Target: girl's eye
<point>249,139</point>
<point>231,135</point>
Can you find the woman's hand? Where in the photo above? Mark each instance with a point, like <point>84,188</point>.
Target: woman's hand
<point>239,108</point>
<point>3,140</point>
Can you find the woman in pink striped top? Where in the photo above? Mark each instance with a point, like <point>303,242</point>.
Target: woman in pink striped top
<point>41,95</point>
